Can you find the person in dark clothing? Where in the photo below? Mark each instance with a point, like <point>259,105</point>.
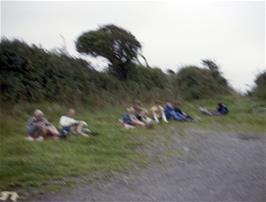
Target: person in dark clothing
<point>222,109</point>
<point>141,113</point>
<point>129,119</point>
<point>179,111</point>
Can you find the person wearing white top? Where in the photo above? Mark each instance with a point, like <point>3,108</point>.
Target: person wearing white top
<point>158,112</point>
<point>69,124</point>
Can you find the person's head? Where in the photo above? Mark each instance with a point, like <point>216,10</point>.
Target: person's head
<point>38,114</point>
<point>158,102</point>
<point>130,110</point>
<point>177,104</point>
<point>220,104</point>
<point>137,102</point>
<point>169,103</point>
<point>71,113</point>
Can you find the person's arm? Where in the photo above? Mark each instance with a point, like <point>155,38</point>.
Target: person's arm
<point>46,122</point>
<point>30,124</point>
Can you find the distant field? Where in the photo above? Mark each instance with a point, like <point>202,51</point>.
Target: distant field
<point>51,163</point>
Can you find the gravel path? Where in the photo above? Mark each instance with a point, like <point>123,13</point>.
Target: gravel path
<point>203,166</point>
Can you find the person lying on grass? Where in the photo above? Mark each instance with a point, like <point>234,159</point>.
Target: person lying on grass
<point>172,113</point>
<point>158,112</point>
<point>221,110</point>
<point>142,114</point>
<point>129,119</point>
<point>70,125</point>
<point>179,112</point>
<point>39,128</point>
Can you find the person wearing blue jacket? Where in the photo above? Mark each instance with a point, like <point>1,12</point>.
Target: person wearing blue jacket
<point>170,113</point>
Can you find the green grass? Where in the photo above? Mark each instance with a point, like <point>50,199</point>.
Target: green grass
<point>243,116</point>
<point>26,164</point>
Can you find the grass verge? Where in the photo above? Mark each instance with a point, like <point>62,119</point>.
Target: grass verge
<point>52,164</point>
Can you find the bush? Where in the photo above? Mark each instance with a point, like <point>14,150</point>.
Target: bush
<point>196,83</point>
<point>260,89</point>
<point>33,74</point>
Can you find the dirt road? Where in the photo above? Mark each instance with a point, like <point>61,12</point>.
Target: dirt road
<point>203,166</point>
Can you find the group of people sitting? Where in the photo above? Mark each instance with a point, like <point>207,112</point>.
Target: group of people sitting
<point>137,115</point>
<point>39,128</point>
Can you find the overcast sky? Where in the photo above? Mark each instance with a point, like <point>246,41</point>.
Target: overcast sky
<point>172,33</point>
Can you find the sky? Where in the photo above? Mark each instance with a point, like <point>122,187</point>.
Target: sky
<point>172,33</point>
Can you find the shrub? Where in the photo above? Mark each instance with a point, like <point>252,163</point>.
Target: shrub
<point>196,83</point>
<point>260,89</point>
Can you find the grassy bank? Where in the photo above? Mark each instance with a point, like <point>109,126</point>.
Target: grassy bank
<point>29,164</point>
<point>26,163</point>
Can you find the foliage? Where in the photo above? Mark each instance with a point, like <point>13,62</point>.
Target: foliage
<point>197,83</point>
<point>216,74</point>
<point>116,44</point>
<point>260,90</point>
<point>210,64</point>
<point>32,74</point>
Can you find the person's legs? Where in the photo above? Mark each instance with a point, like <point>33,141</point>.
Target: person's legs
<point>79,129</point>
<point>205,111</point>
<point>176,116</point>
<point>35,132</point>
<point>73,128</point>
<point>189,118</point>
<point>168,115</point>
<point>138,123</point>
<point>52,132</point>
<point>127,124</point>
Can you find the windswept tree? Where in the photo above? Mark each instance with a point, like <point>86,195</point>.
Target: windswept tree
<point>210,64</point>
<point>117,45</point>
<point>214,68</point>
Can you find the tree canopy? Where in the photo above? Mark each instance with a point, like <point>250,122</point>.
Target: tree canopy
<point>117,45</point>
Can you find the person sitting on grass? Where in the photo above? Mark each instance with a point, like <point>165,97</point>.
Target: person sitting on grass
<point>180,113</point>
<point>142,114</point>
<point>129,119</point>
<point>158,112</point>
<point>220,110</point>
<point>39,128</point>
<point>170,113</point>
<point>139,110</point>
<point>70,125</point>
